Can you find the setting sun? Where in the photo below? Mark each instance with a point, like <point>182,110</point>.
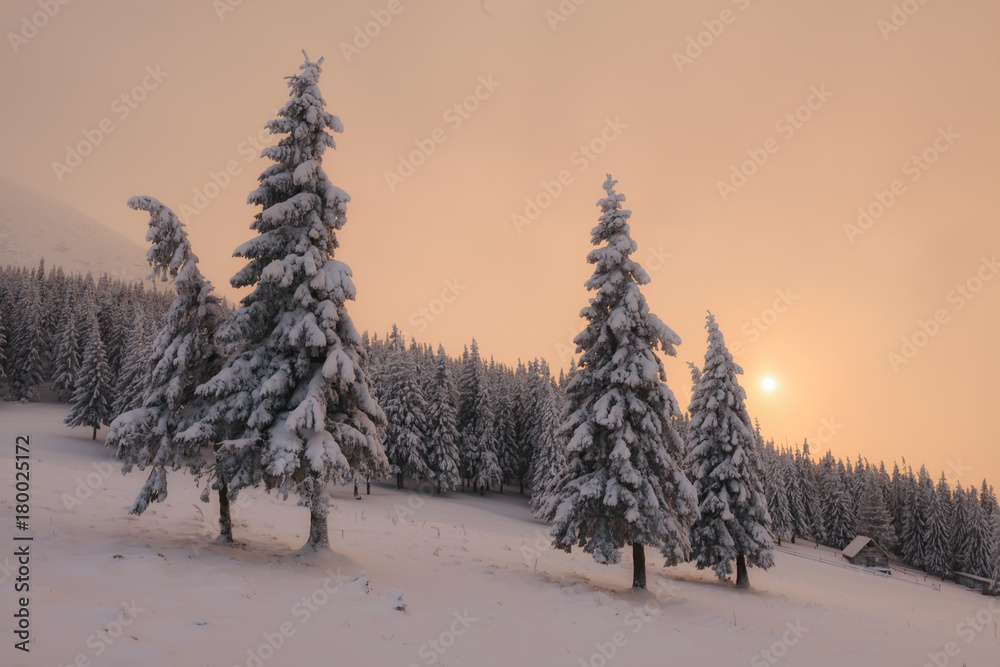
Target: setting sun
<point>769,384</point>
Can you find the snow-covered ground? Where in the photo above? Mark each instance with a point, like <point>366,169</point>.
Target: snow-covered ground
<point>479,584</point>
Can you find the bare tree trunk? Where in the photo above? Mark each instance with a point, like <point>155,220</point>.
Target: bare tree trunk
<point>318,534</point>
<point>368,487</point>
<point>501,486</point>
<point>357,494</point>
<point>399,480</point>
<point>742,579</point>
<point>225,517</point>
<point>95,434</point>
<point>638,566</point>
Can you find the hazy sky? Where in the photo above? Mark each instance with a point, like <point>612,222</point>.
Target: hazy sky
<point>837,105</point>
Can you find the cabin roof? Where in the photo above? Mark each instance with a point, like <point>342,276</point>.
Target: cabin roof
<point>859,543</point>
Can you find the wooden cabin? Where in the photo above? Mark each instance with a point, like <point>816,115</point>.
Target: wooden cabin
<point>974,582</point>
<point>865,552</point>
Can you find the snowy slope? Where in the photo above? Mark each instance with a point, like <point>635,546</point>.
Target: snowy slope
<point>476,575</point>
<point>33,225</point>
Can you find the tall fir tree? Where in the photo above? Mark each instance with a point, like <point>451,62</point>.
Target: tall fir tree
<point>937,540</point>
<point>959,528</point>
<point>184,355</point>
<point>27,353</point>
<point>66,360</point>
<point>838,510</point>
<point>548,446</point>
<point>976,549</point>
<point>776,490</point>
<point>405,413</point>
<point>130,390</point>
<point>92,397</point>
<point>874,519</point>
<point>621,483</point>
<point>726,472</point>
<point>442,422</point>
<point>293,405</point>
<point>476,424</point>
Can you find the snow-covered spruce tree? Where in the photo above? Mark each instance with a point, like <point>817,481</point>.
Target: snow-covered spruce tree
<point>874,519</point>
<point>621,483</point>
<point>915,522</point>
<point>959,528</point>
<point>811,493</point>
<point>442,424</point>
<point>937,541</point>
<point>27,354</point>
<point>775,488</point>
<point>293,404</point>
<point>838,510</point>
<point>995,556</point>
<point>476,424</point>
<point>796,495</point>
<point>978,539</point>
<point>92,397</point>
<point>183,356</point>
<point>134,375</point>
<point>549,452</point>
<point>506,427</point>
<point>725,470</point>
<point>405,413</point>
<point>66,361</point>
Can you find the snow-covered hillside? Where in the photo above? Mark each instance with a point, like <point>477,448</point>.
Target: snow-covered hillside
<point>478,581</point>
<point>33,225</point>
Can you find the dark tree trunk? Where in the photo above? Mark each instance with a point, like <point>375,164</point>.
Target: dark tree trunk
<point>439,487</point>
<point>318,535</point>
<point>793,538</point>
<point>501,487</point>
<point>742,579</point>
<point>638,566</point>
<point>482,490</point>
<point>225,517</point>
<point>357,494</point>
<point>399,480</point>
<point>95,434</point>
<point>522,488</point>
<point>368,487</point>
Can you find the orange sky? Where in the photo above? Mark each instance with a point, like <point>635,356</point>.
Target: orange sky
<point>673,129</point>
